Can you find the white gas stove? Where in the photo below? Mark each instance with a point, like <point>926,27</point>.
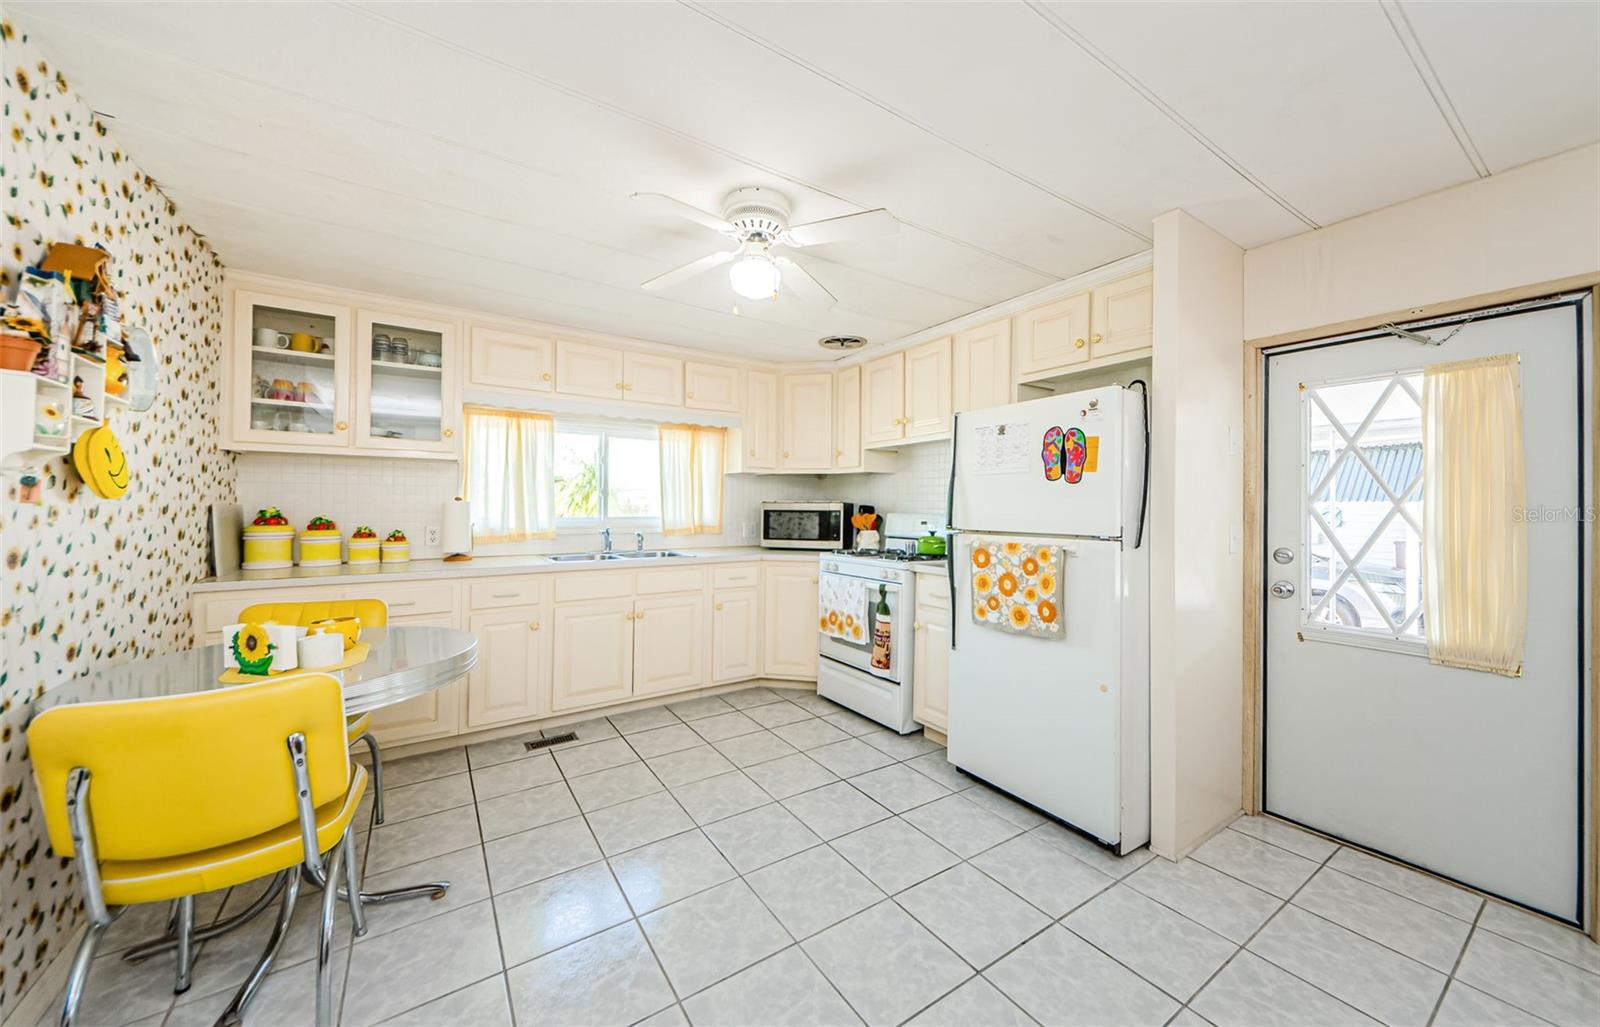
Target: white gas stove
<point>849,587</point>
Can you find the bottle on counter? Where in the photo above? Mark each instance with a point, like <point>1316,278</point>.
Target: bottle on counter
<point>882,630</point>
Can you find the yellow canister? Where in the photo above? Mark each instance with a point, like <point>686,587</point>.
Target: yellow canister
<point>363,550</point>
<point>267,547</point>
<point>320,548</point>
<point>397,552</point>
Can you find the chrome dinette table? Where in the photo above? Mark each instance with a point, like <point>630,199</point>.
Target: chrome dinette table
<point>404,662</point>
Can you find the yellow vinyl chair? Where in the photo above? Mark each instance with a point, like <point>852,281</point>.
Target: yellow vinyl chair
<point>372,613</point>
<point>167,798</point>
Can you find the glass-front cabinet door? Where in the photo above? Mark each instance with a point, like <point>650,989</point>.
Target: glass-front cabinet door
<point>406,371</point>
<point>291,371</point>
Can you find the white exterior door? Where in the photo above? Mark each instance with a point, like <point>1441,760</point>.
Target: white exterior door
<point>1468,774</point>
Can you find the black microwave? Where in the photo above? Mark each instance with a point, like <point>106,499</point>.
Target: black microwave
<point>807,525</point>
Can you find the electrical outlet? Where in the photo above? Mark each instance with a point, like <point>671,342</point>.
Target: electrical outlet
<point>430,536</point>
<point>749,532</point>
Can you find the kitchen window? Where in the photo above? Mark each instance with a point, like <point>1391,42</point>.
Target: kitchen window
<point>606,474</point>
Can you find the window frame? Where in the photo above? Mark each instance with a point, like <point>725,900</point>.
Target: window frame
<point>1325,631</point>
<point>604,430</point>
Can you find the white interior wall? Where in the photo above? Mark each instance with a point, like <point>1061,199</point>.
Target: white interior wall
<point>1536,223</point>
<point>1196,519</point>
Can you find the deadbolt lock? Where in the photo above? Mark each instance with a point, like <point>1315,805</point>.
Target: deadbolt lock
<point>1283,554</point>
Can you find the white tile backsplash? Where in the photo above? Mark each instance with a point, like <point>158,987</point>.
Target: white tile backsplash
<point>390,493</point>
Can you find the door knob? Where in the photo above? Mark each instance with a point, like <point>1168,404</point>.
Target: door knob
<point>1282,589</point>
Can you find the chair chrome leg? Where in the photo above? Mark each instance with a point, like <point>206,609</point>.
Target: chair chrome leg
<point>330,898</point>
<point>431,890</point>
<point>234,1014</point>
<point>185,927</point>
<point>78,978</point>
<point>156,946</point>
<point>351,892</point>
<point>377,776</point>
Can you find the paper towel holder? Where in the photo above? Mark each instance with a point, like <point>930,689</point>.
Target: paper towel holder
<point>457,534</point>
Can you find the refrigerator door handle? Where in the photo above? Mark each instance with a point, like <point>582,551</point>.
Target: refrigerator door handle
<point>950,521</point>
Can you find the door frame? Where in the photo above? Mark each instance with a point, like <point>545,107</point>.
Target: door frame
<point>1253,667</point>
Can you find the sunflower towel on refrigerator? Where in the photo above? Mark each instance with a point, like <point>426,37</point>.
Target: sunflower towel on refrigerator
<point>1017,586</point>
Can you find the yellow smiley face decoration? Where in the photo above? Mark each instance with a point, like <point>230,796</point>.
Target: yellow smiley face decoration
<point>101,463</point>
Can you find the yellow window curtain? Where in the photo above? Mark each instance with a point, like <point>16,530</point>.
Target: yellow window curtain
<point>691,479</point>
<point>1474,535</point>
<point>508,474</point>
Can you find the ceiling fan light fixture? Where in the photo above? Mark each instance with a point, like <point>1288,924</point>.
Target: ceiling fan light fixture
<point>754,276</point>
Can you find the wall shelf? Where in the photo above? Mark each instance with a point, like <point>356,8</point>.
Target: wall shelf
<point>20,394</point>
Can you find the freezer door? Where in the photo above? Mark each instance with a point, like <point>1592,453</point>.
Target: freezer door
<point>1016,469</point>
<point>1043,718</point>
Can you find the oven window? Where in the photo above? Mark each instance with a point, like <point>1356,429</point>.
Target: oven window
<point>801,525</point>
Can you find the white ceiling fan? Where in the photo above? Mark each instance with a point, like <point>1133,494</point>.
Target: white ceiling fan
<point>758,219</point>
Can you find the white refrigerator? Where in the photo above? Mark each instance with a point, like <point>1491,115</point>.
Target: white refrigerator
<point>1060,720</point>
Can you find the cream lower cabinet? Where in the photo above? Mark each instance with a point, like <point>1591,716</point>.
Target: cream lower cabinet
<point>593,656</point>
<point>789,636</point>
<point>512,679</point>
<point>930,659</point>
<point>668,643</point>
<point>436,714</point>
<point>735,635</point>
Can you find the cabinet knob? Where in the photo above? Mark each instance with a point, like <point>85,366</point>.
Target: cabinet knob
<point>533,625</point>
<point>546,376</point>
<point>1077,344</point>
<point>916,625</point>
<point>717,606</point>
<point>629,615</point>
<point>639,615</point>
<point>341,425</point>
<point>752,452</point>
<point>786,455</point>
<point>1095,338</point>
<point>449,433</point>
<point>813,581</point>
<point>619,386</point>
<point>627,387</point>
<point>838,453</point>
<point>688,395</point>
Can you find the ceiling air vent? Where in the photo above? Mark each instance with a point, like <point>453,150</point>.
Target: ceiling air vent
<point>841,343</point>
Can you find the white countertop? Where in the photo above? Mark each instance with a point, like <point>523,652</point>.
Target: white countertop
<point>481,566</point>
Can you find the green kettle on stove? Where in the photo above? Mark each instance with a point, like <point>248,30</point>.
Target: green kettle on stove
<point>931,544</point>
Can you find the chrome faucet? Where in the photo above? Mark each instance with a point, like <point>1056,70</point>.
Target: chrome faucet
<point>638,542</point>
<point>605,538</point>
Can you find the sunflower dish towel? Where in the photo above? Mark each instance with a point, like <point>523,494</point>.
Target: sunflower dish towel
<point>842,608</point>
<point>1017,587</point>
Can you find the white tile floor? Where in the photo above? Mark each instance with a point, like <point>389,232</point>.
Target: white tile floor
<point>767,858</point>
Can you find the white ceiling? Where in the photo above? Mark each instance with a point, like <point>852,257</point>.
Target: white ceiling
<point>482,154</point>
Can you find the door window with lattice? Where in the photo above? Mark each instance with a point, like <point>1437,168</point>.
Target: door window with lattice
<point>1362,488</point>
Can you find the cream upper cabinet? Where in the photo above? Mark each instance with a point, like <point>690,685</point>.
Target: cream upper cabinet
<point>761,422</point>
<point>290,373</point>
<point>928,399</point>
<point>980,361</point>
<point>1123,314</point>
<point>847,419</point>
<point>807,417</point>
<point>407,396</point>
<point>512,679</point>
<point>652,378</point>
<point>712,387</point>
<point>1052,336</point>
<point>735,635</point>
<point>883,400</point>
<point>498,358</point>
<point>669,643</point>
<point>930,661</point>
<point>790,621</point>
<point>584,369</point>
<point>593,653</point>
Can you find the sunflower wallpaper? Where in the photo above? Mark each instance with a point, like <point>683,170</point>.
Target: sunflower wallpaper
<point>65,178</point>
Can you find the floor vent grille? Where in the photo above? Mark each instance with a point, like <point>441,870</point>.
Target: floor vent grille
<point>545,743</point>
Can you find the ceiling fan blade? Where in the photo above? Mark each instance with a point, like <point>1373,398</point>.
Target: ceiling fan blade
<point>805,288</point>
<point>667,205</point>
<point>864,225</point>
<point>688,271</point>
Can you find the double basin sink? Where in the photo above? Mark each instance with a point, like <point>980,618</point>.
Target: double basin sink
<point>637,554</point>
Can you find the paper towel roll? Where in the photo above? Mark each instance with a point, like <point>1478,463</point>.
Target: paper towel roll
<point>457,531</point>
